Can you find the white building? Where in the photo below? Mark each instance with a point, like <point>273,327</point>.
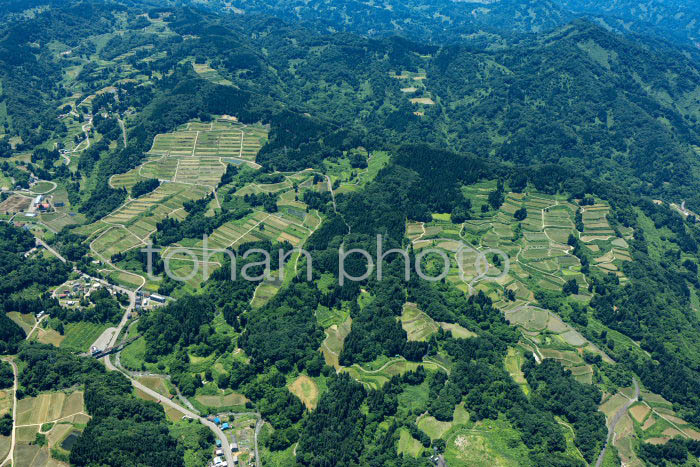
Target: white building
<point>157,298</point>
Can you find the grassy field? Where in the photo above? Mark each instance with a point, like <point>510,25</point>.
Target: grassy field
<point>157,384</point>
<point>486,443</point>
<point>80,336</point>
<point>42,188</point>
<point>5,443</point>
<point>221,401</point>
<point>333,343</point>
<point>305,389</point>
<point>26,320</point>
<point>5,401</point>
<point>77,337</point>
<point>513,363</point>
<point>352,179</point>
<point>408,445</point>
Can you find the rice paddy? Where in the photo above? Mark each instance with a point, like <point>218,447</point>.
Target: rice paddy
<point>189,163</point>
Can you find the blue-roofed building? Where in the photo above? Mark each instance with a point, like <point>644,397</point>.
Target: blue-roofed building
<point>224,426</point>
<point>217,420</point>
<point>218,443</point>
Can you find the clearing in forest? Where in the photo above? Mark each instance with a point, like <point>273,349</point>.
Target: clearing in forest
<point>306,390</point>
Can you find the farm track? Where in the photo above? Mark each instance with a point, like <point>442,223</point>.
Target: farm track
<point>9,459</point>
<point>36,325</point>
<point>616,418</point>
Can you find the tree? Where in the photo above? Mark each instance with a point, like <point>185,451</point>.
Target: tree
<point>520,214</point>
<point>571,287</point>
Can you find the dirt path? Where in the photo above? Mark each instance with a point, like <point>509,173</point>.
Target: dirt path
<point>390,362</point>
<point>121,124</point>
<point>36,325</point>
<point>616,418</point>
<point>258,426</point>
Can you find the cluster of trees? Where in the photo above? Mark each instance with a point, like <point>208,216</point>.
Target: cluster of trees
<point>197,223</point>
<point>317,200</point>
<point>674,452</point>
<point>284,333</point>
<point>142,187</point>
<point>180,322</point>
<point>556,390</point>
<point>20,273</point>
<point>332,434</point>
<point>267,200</point>
<point>103,200</point>
<point>7,376</point>
<point>123,430</point>
<point>21,177</point>
<point>50,368</point>
<point>6,424</point>
<point>46,157</point>
<point>10,335</point>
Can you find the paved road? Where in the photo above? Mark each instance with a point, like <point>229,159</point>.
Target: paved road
<point>188,413</point>
<point>616,418</point>
<point>54,252</point>
<point>162,399</point>
<point>8,460</point>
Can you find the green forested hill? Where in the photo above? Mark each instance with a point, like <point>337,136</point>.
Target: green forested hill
<point>559,149</point>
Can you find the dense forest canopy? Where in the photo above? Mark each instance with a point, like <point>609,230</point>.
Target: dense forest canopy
<point>542,123</point>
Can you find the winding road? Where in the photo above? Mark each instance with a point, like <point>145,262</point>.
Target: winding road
<point>616,418</point>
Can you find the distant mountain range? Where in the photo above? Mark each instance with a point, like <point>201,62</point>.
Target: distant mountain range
<point>441,21</point>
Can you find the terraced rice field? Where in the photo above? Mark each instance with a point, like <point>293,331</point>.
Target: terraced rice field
<point>197,153</point>
<point>49,407</point>
<point>418,325</point>
<point>276,227</point>
<point>143,213</point>
<point>333,343</point>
